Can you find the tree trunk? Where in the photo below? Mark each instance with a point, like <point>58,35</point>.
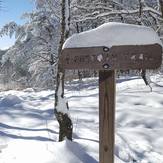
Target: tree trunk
<point>65,123</point>
<point>161,6</point>
<point>143,72</point>
<point>140,12</point>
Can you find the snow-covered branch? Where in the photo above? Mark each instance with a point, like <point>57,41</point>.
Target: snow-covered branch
<point>95,16</point>
<point>88,8</point>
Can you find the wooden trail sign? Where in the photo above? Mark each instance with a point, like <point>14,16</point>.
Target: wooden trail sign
<point>117,57</point>
<point>107,61</point>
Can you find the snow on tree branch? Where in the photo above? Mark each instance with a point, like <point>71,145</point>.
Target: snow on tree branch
<point>95,15</point>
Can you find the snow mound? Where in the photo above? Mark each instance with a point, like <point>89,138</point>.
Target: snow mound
<point>28,90</point>
<point>73,153</point>
<point>112,34</point>
<point>10,100</point>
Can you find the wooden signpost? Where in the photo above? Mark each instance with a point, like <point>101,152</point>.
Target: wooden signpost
<point>107,61</point>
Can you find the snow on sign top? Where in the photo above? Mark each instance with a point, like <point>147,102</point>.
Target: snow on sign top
<point>112,34</point>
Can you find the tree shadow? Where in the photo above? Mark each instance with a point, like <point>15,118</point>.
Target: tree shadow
<point>17,111</point>
<point>75,136</point>
<point>38,138</point>
<point>79,85</point>
<point>79,152</point>
<point>39,116</point>
<point>127,79</point>
<point>26,129</point>
<point>157,85</point>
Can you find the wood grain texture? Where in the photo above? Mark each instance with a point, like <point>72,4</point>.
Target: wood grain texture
<point>106,116</point>
<point>122,57</point>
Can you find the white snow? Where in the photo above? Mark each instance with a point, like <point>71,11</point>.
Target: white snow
<point>100,57</point>
<point>112,34</point>
<point>28,90</point>
<point>10,100</point>
<point>133,57</point>
<point>141,56</point>
<point>29,130</point>
<point>62,102</point>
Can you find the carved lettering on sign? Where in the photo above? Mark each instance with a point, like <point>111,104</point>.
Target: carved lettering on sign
<point>117,57</point>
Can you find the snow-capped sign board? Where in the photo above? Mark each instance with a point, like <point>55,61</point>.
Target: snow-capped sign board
<point>107,48</point>
<point>117,57</point>
<point>113,34</point>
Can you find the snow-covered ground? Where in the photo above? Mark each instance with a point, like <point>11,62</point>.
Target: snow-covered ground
<point>29,130</point>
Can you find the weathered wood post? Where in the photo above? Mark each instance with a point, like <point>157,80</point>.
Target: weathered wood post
<point>106,115</point>
<point>107,60</point>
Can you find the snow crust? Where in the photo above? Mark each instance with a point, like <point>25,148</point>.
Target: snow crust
<point>112,34</point>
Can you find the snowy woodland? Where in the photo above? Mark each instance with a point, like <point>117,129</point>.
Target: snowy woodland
<point>36,49</point>
<point>49,115</point>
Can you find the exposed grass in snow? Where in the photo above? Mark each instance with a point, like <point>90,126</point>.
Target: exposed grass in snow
<point>29,130</point>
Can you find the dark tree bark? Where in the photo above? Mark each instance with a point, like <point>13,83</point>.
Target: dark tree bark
<point>161,6</point>
<point>143,72</point>
<point>140,12</point>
